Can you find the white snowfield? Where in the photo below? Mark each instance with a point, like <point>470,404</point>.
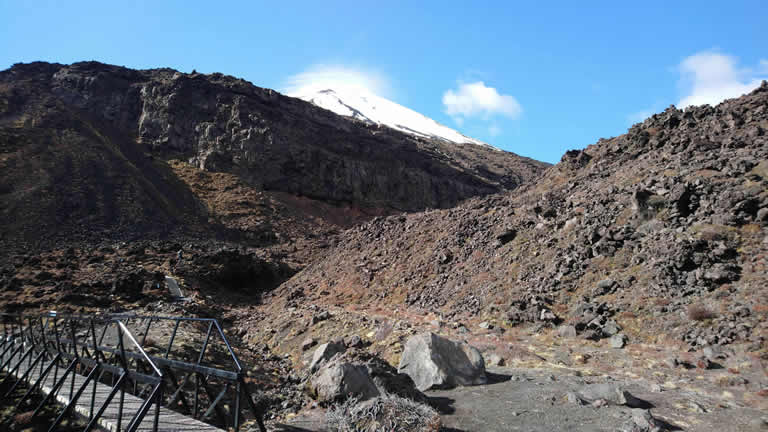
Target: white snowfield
<point>368,107</point>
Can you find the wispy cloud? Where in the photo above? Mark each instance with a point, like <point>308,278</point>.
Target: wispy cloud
<point>478,100</point>
<point>337,77</point>
<point>710,77</point>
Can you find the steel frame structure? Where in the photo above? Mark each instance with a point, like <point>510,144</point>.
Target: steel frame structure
<point>53,342</point>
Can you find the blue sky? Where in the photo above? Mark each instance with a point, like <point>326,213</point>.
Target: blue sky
<point>536,80</point>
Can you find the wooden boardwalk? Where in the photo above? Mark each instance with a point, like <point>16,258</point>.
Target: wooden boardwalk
<point>170,421</point>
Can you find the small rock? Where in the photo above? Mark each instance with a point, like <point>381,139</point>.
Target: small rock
<point>704,363</point>
<point>618,341</point>
<point>485,325</point>
<point>656,388</point>
<point>610,393</point>
<point>762,215</point>
<point>308,343</point>
<point>713,353</point>
<point>611,328</point>
<point>563,357</point>
<point>354,341</point>
<point>606,283</point>
<point>697,407</point>
<point>603,287</point>
<point>644,421</point>
<point>322,316</point>
<point>759,424</point>
<point>547,315</point>
<point>566,331</point>
<point>573,398</point>
<point>672,362</point>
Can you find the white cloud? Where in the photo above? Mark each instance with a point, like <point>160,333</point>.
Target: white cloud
<point>337,77</point>
<point>710,77</point>
<point>476,99</point>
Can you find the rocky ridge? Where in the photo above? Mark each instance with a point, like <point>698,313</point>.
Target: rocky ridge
<point>659,233</point>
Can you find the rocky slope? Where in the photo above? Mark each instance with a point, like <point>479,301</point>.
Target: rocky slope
<point>85,150</point>
<point>660,232</point>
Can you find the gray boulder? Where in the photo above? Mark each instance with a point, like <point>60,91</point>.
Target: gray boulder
<point>325,352</point>
<point>338,379</point>
<point>436,362</point>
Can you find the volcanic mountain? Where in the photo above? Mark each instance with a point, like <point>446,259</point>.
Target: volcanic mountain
<point>91,151</point>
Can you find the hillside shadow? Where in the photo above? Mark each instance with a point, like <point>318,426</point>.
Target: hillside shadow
<point>665,425</point>
<point>496,378</point>
<point>443,405</point>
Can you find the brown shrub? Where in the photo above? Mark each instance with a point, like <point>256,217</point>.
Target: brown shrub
<point>698,312</point>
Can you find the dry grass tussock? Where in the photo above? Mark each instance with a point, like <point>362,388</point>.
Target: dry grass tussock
<point>382,414</point>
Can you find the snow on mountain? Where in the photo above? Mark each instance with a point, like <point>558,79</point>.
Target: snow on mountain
<point>366,106</point>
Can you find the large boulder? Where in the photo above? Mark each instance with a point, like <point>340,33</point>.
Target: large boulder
<point>436,362</point>
<point>339,379</point>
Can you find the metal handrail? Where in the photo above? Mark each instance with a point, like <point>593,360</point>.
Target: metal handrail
<point>42,333</point>
<point>130,316</point>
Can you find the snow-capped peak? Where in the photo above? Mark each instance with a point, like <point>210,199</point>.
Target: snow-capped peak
<point>363,105</point>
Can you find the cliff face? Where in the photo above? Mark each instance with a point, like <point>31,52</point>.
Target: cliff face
<point>97,138</point>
